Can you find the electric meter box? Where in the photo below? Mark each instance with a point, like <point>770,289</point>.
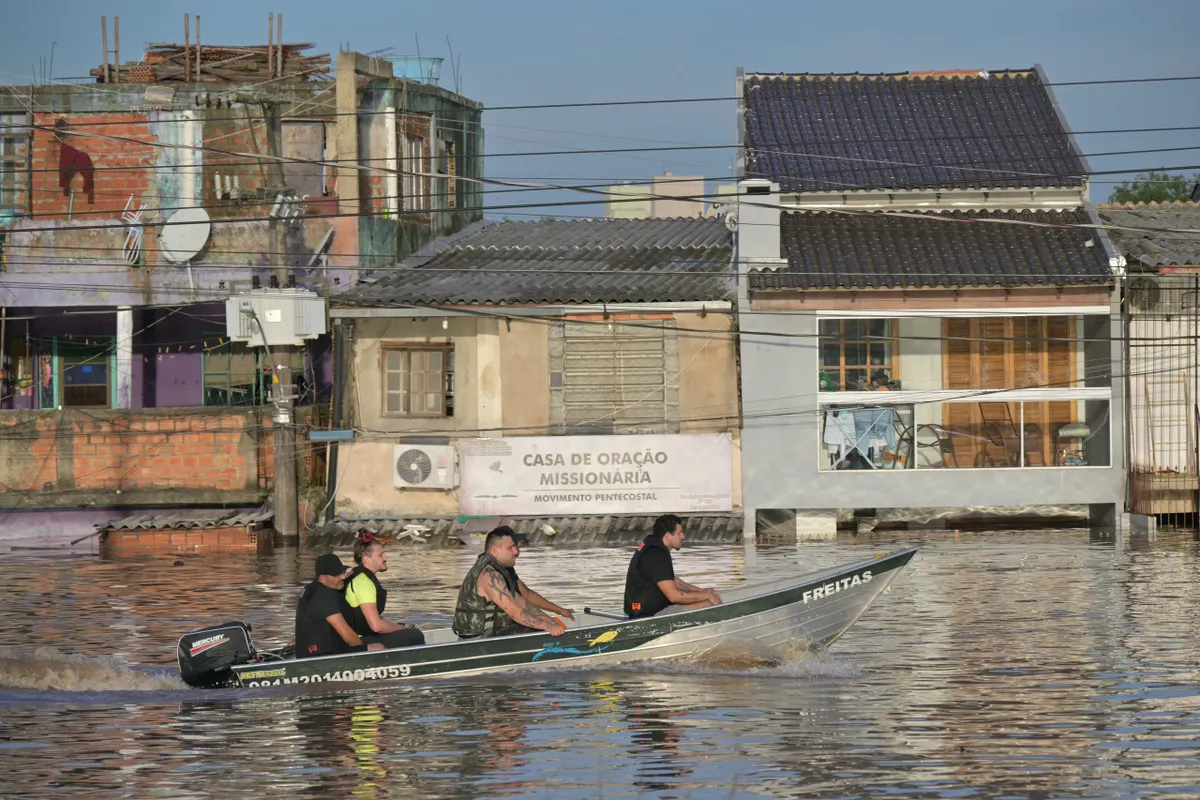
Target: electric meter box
<point>284,316</point>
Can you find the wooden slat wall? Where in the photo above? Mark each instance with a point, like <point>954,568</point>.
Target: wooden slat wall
<point>616,375</point>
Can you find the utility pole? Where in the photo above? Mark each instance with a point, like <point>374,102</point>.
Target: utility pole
<point>286,503</point>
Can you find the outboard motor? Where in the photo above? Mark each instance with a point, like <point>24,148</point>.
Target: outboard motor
<point>207,656</point>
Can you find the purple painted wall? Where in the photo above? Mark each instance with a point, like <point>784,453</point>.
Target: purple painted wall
<point>167,350</point>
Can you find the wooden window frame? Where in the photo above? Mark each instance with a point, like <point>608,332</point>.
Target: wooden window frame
<point>893,340</point>
<point>446,380</point>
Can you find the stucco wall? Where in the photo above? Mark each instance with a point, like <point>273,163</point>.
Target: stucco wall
<point>502,379</point>
<point>525,376</point>
<point>708,390</point>
<point>780,451</point>
<point>366,401</point>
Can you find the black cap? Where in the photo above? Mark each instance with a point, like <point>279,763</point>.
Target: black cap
<point>329,564</point>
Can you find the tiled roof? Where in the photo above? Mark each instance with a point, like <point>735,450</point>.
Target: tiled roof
<point>1154,248</point>
<point>551,261</point>
<point>813,133</point>
<point>879,250</point>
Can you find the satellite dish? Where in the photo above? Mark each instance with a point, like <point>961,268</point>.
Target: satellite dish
<point>184,234</point>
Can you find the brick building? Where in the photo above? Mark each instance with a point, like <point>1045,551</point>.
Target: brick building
<point>118,386</point>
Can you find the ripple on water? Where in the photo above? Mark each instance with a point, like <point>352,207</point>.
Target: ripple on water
<point>1037,664</point>
<point>46,669</point>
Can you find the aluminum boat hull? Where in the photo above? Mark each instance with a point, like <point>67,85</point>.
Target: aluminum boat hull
<point>809,611</point>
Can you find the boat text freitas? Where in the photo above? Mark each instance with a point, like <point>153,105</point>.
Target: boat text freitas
<point>836,586</point>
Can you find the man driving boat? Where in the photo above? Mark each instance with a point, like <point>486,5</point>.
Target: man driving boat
<point>651,586</point>
<point>491,594</point>
<point>321,626</point>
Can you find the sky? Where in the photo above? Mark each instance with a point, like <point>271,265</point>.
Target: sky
<point>520,52</point>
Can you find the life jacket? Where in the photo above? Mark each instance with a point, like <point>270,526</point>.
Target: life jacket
<point>356,618</point>
<point>643,598</point>
<point>473,611</point>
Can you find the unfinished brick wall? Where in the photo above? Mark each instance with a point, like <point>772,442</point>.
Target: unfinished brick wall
<point>104,451</point>
<point>226,134</point>
<point>119,168</point>
<point>206,540</point>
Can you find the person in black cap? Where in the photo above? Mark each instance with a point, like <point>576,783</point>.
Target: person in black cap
<point>651,586</point>
<point>321,615</point>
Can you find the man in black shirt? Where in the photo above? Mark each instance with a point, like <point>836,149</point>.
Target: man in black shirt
<point>651,586</point>
<point>321,615</point>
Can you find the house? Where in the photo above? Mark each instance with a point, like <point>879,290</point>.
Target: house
<point>579,373</point>
<point>927,312</point>
<point>1162,323</point>
<point>132,210</point>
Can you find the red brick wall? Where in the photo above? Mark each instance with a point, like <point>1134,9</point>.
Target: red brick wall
<point>163,453</point>
<point>234,132</point>
<point>207,540</point>
<point>109,451</point>
<point>119,166</point>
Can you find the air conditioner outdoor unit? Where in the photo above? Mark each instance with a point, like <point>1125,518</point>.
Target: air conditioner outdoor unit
<point>423,466</point>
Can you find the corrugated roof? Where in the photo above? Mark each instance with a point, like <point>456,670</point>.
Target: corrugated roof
<point>580,530</point>
<point>552,261</point>
<point>187,521</point>
<point>1155,248</point>
<point>880,250</point>
<point>812,133</point>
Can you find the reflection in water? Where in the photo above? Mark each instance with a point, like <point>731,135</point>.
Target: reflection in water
<point>1038,664</point>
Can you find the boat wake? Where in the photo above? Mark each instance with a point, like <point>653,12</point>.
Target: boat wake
<point>47,669</point>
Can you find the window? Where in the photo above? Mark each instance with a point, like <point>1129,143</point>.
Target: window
<point>1010,353</point>
<point>85,373</point>
<point>858,354</point>
<point>415,184</point>
<point>238,375</point>
<point>418,382</point>
<point>445,168</point>
<point>14,150</point>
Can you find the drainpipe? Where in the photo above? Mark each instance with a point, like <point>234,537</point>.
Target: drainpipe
<point>339,395</point>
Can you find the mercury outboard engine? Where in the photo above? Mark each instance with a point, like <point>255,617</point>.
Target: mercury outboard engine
<point>207,656</point>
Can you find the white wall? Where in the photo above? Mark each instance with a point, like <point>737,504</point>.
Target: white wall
<point>920,352</point>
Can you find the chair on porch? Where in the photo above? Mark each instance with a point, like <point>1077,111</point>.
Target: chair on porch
<point>1001,434</point>
<point>935,437</point>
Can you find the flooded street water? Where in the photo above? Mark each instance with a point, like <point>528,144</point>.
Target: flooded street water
<point>1015,665</point>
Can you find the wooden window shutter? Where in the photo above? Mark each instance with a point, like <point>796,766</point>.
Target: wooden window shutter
<point>617,379</point>
<point>957,371</point>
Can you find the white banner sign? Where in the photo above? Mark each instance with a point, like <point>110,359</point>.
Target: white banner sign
<point>561,475</point>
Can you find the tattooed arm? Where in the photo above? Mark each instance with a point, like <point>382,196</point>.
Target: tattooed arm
<point>537,601</point>
<point>491,586</point>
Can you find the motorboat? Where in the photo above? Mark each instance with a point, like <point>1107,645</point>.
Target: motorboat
<point>811,610</point>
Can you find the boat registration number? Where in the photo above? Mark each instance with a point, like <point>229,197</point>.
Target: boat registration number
<point>368,674</point>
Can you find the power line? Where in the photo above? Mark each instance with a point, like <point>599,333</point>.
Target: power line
<point>487,181</point>
<point>725,99</point>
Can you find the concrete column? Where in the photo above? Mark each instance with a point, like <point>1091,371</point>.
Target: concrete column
<point>487,364</point>
<point>124,377</point>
